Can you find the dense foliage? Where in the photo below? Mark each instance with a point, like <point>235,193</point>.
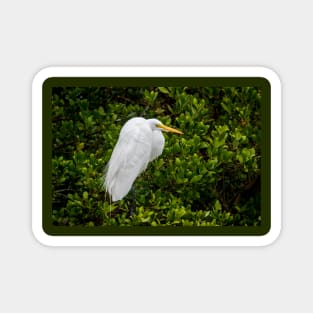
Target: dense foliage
<point>210,176</point>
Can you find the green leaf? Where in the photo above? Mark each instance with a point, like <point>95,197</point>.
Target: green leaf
<point>225,107</point>
<point>217,205</point>
<point>163,90</point>
<point>196,178</point>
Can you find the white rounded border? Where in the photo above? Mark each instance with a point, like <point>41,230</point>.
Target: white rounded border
<point>276,148</point>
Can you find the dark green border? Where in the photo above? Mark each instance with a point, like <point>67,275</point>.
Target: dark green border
<point>260,82</point>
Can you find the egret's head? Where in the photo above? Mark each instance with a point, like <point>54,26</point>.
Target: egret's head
<point>157,125</point>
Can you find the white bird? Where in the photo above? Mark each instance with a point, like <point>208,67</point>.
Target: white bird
<point>140,141</point>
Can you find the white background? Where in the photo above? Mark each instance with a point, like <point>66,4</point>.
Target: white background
<point>35,34</point>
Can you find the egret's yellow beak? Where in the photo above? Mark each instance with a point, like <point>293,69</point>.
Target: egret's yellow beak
<point>169,129</point>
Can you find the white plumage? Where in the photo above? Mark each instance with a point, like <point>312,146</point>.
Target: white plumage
<point>140,141</point>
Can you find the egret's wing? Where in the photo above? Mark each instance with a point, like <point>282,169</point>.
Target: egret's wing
<point>129,158</point>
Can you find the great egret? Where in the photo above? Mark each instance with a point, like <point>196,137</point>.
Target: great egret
<point>140,141</point>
